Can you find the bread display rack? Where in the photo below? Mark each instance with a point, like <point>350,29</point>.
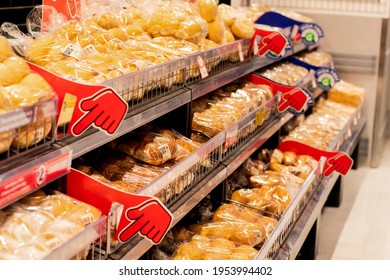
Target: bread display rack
<point>160,90</point>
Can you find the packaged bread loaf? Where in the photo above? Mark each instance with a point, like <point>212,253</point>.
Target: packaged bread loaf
<point>204,248</point>
<point>347,93</point>
<point>317,58</point>
<point>152,148</point>
<point>40,223</point>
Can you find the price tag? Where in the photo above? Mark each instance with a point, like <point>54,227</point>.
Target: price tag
<point>67,108</point>
<point>256,45</point>
<point>202,67</point>
<point>90,50</point>
<point>261,116</point>
<point>37,176</point>
<point>73,50</point>
<point>231,136</point>
<point>240,53</point>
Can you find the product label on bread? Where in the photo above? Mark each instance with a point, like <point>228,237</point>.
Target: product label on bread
<point>278,155</point>
<point>336,161</point>
<point>97,106</point>
<point>14,188</point>
<point>325,77</point>
<point>202,67</point>
<point>166,153</point>
<point>73,50</point>
<point>53,243</point>
<point>87,219</point>
<point>261,116</point>
<point>308,33</point>
<point>90,50</point>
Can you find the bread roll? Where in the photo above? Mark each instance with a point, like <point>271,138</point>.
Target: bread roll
<point>227,13</point>
<point>243,28</point>
<point>208,9</point>
<point>39,48</point>
<point>69,31</point>
<point>36,81</point>
<point>216,30</point>
<point>57,204</point>
<point>18,66</point>
<point>17,96</point>
<point>5,49</point>
<point>7,76</point>
<point>107,20</point>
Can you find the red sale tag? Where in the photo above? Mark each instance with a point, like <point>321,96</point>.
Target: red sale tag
<point>98,106</point>
<point>142,215</point>
<point>335,161</point>
<point>35,177</point>
<point>294,99</point>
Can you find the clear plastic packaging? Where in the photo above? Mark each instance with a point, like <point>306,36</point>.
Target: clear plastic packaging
<point>347,93</point>
<point>316,58</point>
<point>39,223</point>
<point>204,248</point>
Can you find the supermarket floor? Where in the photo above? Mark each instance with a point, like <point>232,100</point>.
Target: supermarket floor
<point>360,228</point>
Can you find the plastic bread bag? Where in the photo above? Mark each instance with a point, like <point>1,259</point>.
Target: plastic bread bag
<point>174,18</point>
<point>151,148</point>
<point>316,58</point>
<point>241,232</point>
<point>347,93</point>
<point>204,248</point>
<point>38,224</point>
<point>182,46</point>
<point>271,201</point>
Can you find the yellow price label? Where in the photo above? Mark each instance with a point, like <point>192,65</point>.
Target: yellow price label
<point>260,116</point>
<point>67,108</point>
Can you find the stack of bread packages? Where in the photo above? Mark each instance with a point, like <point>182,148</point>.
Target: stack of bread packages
<point>38,224</point>
<point>213,113</point>
<point>138,159</point>
<point>258,194</point>
<point>110,43</point>
<point>20,88</point>
<point>285,73</point>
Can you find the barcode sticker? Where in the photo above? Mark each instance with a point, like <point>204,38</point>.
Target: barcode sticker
<point>53,243</point>
<point>141,64</point>
<point>261,116</point>
<point>164,149</point>
<point>202,67</point>
<point>240,53</point>
<point>73,50</point>
<point>90,50</point>
<point>87,219</point>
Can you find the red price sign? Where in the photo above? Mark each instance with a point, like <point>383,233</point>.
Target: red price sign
<point>84,105</point>
<point>35,177</point>
<point>335,161</point>
<point>142,215</point>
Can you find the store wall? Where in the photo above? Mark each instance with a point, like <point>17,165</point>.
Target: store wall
<point>16,11</point>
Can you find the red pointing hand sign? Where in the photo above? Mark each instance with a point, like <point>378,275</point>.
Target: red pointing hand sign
<point>335,161</point>
<point>271,42</point>
<point>104,110</point>
<point>150,219</point>
<point>97,105</point>
<point>294,99</point>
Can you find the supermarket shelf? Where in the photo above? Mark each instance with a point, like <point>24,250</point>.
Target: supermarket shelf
<point>216,81</point>
<point>135,119</point>
<point>237,158</point>
<point>299,232</point>
<point>33,171</point>
<point>138,246</point>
